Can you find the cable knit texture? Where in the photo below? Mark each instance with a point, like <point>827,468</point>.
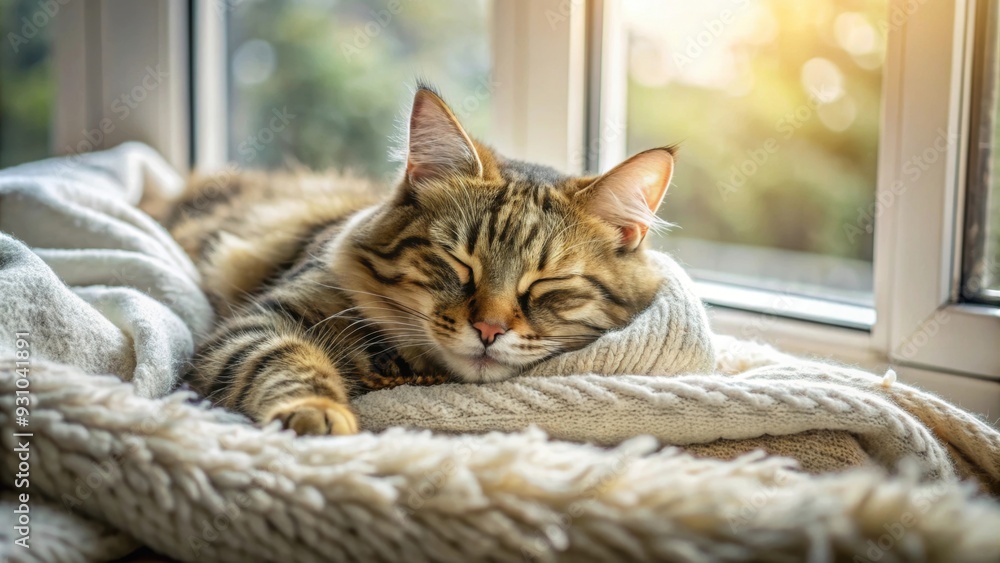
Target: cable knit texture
<point>458,472</point>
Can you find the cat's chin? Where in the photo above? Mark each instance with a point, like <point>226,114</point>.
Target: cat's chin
<point>478,369</point>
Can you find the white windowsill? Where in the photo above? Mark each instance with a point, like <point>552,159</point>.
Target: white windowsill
<point>804,327</point>
<point>764,302</point>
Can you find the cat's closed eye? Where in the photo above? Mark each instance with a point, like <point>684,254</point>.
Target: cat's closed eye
<point>465,272</point>
<point>546,291</point>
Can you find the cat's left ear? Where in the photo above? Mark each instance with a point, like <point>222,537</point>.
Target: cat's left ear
<point>438,145</point>
<point>629,194</point>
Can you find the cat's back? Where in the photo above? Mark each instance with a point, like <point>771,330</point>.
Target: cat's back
<point>255,203</point>
<point>243,228</point>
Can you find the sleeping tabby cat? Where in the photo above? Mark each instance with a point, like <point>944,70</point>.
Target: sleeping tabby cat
<point>474,267</point>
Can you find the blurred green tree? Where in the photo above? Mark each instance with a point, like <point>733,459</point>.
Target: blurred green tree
<point>26,86</point>
<point>345,70</point>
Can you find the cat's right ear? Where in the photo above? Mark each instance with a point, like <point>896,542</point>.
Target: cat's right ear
<point>628,196</point>
<point>438,146</point>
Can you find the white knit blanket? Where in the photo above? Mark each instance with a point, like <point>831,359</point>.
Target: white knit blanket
<point>95,282</point>
<point>114,464</point>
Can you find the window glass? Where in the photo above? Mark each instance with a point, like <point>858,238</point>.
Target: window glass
<point>982,237</point>
<point>26,87</point>
<point>991,258</point>
<point>325,83</point>
<point>775,106</point>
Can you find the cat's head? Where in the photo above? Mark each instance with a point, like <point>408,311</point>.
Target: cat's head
<point>485,265</point>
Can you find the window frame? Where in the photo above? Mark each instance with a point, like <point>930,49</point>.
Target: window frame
<point>210,116</point>
<point>540,79</point>
<point>103,53</point>
<point>922,321</point>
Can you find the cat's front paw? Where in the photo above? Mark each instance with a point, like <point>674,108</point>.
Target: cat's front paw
<point>316,416</point>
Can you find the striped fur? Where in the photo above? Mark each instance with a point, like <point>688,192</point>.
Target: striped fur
<point>326,289</point>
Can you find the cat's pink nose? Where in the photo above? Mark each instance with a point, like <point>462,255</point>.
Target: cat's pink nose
<point>488,332</point>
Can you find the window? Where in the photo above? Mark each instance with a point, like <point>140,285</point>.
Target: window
<point>26,87</point>
<point>323,83</point>
<point>874,207</point>
<point>775,105</point>
<point>859,213</point>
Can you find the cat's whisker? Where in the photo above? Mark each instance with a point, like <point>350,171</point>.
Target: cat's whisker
<point>390,301</point>
<point>331,317</point>
<point>347,332</point>
<point>429,350</point>
<point>382,337</point>
<point>408,343</point>
<point>375,339</point>
<point>362,322</point>
<point>344,335</point>
<point>395,321</point>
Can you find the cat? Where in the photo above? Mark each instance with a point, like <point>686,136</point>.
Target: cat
<point>472,268</point>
